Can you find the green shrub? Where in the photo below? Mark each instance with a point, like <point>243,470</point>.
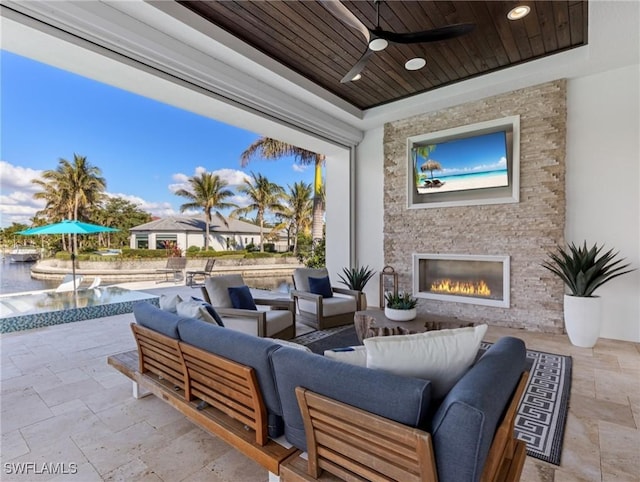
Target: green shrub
<point>193,249</point>
<point>260,255</point>
<point>270,247</point>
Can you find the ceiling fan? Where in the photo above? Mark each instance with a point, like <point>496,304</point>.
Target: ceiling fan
<point>378,39</point>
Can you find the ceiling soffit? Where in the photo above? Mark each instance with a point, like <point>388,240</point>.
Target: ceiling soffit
<point>305,37</point>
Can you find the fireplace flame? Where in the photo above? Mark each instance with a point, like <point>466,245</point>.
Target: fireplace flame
<point>448,286</point>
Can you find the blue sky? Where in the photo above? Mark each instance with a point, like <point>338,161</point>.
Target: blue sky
<point>470,155</point>
<point>145,149</point>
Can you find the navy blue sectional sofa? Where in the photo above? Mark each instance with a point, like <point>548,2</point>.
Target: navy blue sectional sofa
<point>462,425</point>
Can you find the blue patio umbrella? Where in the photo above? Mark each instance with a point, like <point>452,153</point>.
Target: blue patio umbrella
<point>68,227</point>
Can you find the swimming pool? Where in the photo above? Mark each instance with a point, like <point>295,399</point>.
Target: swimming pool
<point>46,308</point>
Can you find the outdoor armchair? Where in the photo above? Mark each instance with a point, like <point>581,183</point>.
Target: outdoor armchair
<point>337,306</point>
<point>276,321</point>
<point>175,267</point>
<point>204,273</point>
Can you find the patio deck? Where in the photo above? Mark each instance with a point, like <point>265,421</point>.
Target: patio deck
<point>62,403</point>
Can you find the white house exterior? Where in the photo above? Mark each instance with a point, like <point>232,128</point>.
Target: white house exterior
<point>188,231</point>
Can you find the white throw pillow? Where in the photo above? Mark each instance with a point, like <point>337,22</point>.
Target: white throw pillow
<point>441,356</point>
<point>353,355</point>
<point>194,309</point>
<point>169,302</point>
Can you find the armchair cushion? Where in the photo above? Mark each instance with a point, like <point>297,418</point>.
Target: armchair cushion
<point>217,289</point>
<point>336,305</point>
<point>194,309</point>
<point>320,286</point>
<point>277,320</point>
<point>301,277</point>
<point>241,298</point>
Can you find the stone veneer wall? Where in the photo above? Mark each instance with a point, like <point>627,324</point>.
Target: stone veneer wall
<point>525,231</point>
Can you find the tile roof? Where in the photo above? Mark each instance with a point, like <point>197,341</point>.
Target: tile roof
<point>197,224</point>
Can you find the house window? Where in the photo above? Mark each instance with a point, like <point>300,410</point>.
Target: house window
<point>162,240</point>
<point>142,241</point>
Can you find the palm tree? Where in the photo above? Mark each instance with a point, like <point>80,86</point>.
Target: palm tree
<point>268,148</point>
<point>298,211</point>
<point>71,189</point>
<point>208,192</point>
<point>264,196</point>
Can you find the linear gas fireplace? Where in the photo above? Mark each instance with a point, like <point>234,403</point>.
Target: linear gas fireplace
<point>480,280</point>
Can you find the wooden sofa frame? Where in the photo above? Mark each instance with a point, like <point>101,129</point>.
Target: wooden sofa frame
<point>217,394</point>
<point>354,445</point>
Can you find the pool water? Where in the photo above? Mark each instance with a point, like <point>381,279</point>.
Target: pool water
<point>34,310</point>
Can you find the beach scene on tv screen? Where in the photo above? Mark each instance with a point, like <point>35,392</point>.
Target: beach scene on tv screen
<point>476,162</point>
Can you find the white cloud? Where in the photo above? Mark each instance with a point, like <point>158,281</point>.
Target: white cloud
<point>299,167</point>
<point>234,177</point>
<point>16,199</point>
<point>159,209</point>
<point>240,199</point>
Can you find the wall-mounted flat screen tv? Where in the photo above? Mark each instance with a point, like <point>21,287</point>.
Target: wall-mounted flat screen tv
<point>476,164</point>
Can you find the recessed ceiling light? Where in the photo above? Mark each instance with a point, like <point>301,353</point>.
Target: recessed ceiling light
<point>415,64</point>
<point>378,44</point>
<point>518,12</point>
<point>356,77</point>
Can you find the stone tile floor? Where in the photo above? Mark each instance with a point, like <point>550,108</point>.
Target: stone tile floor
<point>62,404</point>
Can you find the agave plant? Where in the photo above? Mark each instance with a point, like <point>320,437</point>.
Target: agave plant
<point>582,270</point>
<point>356,278</point>
<point>400,301</point>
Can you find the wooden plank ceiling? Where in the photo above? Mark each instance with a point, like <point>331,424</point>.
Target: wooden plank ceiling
<point>307,38</point>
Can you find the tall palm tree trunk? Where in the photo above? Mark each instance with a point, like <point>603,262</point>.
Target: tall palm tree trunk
<point>316,226</point>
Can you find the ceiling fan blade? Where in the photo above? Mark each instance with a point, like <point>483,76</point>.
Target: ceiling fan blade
<point>358,67</point>
<point>433,35</point>
<point>342,13</point>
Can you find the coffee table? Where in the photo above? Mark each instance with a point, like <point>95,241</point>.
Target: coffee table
<point>374,318</point>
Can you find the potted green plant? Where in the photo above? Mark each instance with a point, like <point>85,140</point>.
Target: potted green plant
<point>356,279</point>
<point>583,270</point>
<point>400,307</point>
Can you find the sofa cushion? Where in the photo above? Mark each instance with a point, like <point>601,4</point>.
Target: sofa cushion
<point>217,289</point>
<point>154,318</point>
<point>169,302</point>
<point>320,286</point>
<point>463,427</point>
<point>403,399</point>
<point>241,298</point>
<point>441,356</point>
<point>244,349</point>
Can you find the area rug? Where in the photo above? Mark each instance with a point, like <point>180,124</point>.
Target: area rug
<point>542,413</point>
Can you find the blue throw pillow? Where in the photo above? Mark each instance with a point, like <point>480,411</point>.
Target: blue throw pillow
<point>241,298</point>
<point>211,310</point>
<point>321,286</point>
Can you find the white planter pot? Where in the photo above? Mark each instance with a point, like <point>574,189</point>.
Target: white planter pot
<point>400,315</point>
<point>582,319</point>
